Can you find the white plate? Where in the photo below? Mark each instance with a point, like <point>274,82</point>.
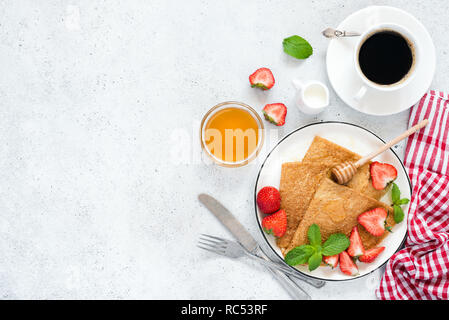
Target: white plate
<point>293,148</point>
<point>344,79</point>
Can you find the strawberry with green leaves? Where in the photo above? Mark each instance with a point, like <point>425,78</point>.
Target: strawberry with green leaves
<point>331,261</point>
<point>275,113</point>
<point>374,221</point>
<point>275,223</point>
<point>262,78</point>
<point>382,174</point>
<point>371,254</point>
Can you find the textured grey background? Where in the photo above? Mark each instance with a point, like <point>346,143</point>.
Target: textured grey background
<point>97,200</point>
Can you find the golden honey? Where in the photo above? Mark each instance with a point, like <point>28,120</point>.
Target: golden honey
<point>231,134</point>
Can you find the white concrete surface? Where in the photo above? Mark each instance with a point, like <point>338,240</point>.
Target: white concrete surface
<point>94,98</point>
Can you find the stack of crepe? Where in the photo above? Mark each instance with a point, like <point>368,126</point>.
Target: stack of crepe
<point>309,196</point>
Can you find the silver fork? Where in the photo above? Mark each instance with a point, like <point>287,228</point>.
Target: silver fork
<point>233,249</point>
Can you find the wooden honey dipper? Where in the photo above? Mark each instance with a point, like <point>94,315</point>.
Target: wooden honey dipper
<point>345,171</point>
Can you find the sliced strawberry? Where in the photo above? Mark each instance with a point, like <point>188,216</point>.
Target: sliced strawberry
<point>331,261</point>
<point>356,248</point>
<point>275,113</point>
<point>371,254</point>
<point>262,78</point>
<point>347,265</point>
<point>382,174</point>
<point>374,221</point>
<point>269,199</point>
<point>276,223</point>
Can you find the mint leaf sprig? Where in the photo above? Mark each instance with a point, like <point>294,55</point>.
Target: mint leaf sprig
<point>313,253</point>
<point>398,213</point>
<point>297,47</point>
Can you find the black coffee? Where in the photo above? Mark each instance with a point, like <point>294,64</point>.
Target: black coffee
<point>385,57</point>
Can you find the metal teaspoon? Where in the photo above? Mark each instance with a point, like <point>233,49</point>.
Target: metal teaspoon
<point>333,33</point>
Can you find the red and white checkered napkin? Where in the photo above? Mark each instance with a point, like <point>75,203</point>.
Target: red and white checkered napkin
<point>420,270</point>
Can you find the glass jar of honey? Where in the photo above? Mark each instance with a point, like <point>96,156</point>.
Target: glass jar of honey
<point>232,134</point>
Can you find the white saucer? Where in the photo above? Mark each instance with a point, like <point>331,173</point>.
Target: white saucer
<point>346,82</point>
<point>294,146</point>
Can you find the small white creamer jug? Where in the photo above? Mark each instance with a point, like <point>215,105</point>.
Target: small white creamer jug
<point>312,96</point>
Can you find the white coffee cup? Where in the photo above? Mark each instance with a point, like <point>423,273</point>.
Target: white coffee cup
<point>312,96</point>
<point>368,84</point>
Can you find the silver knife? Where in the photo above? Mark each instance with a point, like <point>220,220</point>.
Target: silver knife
<point>245,238</point>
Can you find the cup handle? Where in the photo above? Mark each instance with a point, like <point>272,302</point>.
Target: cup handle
<point>361,93</point>
<point>298,84</point>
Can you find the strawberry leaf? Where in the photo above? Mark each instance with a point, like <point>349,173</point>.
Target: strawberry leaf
<point>268,118</point>
<point>259,85</point>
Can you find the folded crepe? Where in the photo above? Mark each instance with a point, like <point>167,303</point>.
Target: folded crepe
<point>297,186</point>
<point>335,208</point>
<point>330,154</point>
<point>299,181</point>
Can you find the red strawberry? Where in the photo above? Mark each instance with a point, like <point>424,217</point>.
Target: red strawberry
<point>347,266</point>
<point>356,248</point>
<point>331,260</point>
<point>374,221</point>
<point>269,200</point>
<point>262,78</point>
<point>371,254</point>
<point>275,113</point>
<point>382,174</point>
<point>276,223</point>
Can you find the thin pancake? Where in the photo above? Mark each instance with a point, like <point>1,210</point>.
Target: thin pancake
<point>330,154</point>
<point>335,208</point>
<point>298,184</point>
<point>299,181</point>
